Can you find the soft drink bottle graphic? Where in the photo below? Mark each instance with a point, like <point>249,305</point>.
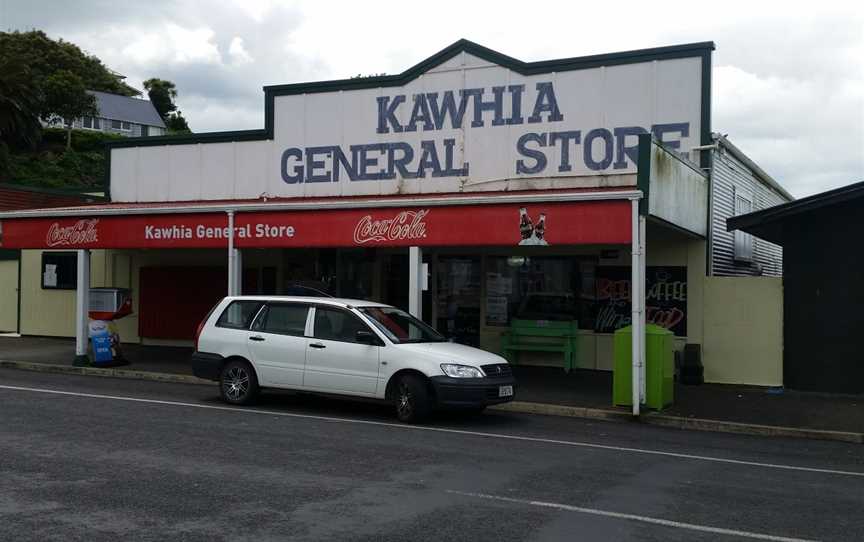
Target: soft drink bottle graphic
<point>526,226</point>
<point>540,228</point>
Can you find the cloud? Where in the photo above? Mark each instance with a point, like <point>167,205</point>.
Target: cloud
<point>238,52</point>
<point>788,84</point>
<point>173,43</point>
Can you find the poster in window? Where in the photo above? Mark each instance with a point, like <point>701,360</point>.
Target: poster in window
<point>496,310</point>
<point>49,277</point>
<point>497,284</point>
<point>666,298</point>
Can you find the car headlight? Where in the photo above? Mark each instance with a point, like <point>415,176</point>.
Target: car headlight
<point>461,371</point>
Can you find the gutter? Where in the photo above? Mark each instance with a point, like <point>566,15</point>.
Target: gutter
<point>325,205</point>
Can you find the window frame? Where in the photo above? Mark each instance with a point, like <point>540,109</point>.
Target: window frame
<point>264,311</point>
<point>314,316</point>
<point>120,124</point>
<point>743,246</point>
<point>68,254</point>
<point>95,124</point>
<point>248,325</point>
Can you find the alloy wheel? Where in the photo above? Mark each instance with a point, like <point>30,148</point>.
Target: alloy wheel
<point>236,383</point>
<point>405,401</point>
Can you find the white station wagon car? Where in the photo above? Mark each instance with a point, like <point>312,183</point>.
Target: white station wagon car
<point>344,347</point>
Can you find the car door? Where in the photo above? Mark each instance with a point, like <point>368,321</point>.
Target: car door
<point>277,342</point>
<point>335,361</point>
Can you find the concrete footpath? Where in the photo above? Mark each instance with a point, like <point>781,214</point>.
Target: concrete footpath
<point>583,394</point>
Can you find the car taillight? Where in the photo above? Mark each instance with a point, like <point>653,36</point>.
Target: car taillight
<point>198,331</point>
<point>204,321</point>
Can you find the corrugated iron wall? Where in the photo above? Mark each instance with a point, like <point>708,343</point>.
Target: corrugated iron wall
<point>728,175</point>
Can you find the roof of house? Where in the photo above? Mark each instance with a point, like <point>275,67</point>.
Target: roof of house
<point>768,223</point>
<point>17,198</point>
<point>115,106</point>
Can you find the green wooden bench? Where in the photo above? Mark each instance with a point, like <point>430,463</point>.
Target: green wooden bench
<point>540,336</point>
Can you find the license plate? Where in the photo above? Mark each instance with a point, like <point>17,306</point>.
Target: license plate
<point>505,391</point>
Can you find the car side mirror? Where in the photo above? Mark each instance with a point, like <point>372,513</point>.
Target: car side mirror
<point>365,337</point>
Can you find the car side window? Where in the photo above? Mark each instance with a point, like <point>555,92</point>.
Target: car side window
<point>239,314</point>
<point>337,325</point>
<point>284,319</point>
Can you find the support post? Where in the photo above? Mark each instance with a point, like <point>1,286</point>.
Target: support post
<point>643,310</point>
<point>636,297</point>
<point>415,282</point>
<point>238,272</point>
<point>232,268</point>
<point>82,306</point>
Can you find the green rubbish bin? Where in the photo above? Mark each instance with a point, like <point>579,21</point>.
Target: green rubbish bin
<point>659,367</point>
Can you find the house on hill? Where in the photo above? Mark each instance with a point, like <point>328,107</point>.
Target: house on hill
<point>122,115</point>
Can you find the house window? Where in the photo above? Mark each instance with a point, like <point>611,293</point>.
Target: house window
<point>121,125</point>
<point>59,270</point>
<point>90,122</point>
<point>743,240</point>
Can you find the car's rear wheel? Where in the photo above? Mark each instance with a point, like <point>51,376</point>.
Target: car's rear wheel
<point>413,401</point>
<point>238,383</point>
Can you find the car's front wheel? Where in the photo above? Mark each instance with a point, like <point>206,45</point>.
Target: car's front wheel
<point>238,383</point>
<point>413,401</point>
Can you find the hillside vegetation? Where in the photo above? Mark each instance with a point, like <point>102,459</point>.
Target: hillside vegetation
<point>50,165</point>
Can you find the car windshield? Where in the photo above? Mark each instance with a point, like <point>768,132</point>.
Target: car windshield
<point>401,327</point>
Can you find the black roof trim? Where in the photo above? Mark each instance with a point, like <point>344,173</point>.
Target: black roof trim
<point>794,208</point>
<point>189,139</point>
<point>699,49</point>
<point>523,68</point>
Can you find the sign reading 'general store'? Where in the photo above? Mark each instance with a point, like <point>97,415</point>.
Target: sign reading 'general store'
<point>467,123</point>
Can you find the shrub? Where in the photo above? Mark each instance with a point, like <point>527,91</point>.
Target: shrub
<point>82,140</point>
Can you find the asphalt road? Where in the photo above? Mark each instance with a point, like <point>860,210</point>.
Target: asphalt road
<point>85,458</point>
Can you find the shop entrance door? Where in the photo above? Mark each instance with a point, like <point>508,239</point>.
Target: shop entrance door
<point>458,301</point>
<point>395,281</point>
<point>173,300</point>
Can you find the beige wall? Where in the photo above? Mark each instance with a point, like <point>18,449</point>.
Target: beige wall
<point>51,312</point>
<point>8,295</point>
<point>743,330</point>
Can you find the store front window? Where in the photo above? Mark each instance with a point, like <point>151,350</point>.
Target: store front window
<point>539,288</point>
<point>458,303</point>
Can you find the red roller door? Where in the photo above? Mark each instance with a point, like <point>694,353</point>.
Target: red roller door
<point>175,299</point>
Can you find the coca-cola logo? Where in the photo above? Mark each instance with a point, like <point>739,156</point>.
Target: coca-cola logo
<point>83,232</point>
<point>405,225</point>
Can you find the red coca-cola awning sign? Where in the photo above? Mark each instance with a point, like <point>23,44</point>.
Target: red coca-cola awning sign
<point>572,223</point>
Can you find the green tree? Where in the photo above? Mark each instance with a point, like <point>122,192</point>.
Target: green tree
<point>176,124</point>
<point>66,98</point>
<point>45,57</point>
<point>162,94</point>
<point>19,103</point>
<point>55,76</point>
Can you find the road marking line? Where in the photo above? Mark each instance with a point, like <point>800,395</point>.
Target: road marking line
<point>632,517</point>
<point>575,444</point>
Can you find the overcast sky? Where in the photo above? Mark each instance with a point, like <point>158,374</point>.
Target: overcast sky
<point>788,82</point>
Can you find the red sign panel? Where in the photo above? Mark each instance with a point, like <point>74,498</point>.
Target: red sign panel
<point>592,222</point>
